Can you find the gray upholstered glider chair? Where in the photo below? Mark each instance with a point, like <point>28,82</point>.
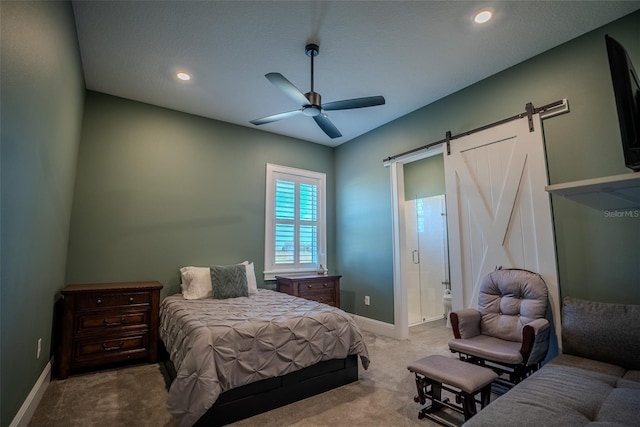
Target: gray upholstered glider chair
<point>508,332</point>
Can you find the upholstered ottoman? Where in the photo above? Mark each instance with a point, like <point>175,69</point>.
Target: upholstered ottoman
<point>465,380</point>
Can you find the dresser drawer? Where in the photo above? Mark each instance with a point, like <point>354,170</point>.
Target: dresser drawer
<point>111,349</point>
<point>105,322</point>
<point>112,300</point>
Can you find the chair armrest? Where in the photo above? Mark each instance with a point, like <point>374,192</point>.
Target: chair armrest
<point>535,341</point>
<point>465,323</point>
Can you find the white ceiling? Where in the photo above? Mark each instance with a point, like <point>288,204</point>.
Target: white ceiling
<point>410,52</point>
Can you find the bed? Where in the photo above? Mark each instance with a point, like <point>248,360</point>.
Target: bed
<point>241,350</point>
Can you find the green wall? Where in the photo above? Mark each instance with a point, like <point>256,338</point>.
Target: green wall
<point>424,178</point>
<point>598,257</point>
<point>42,98</point>
<point>157,190</point>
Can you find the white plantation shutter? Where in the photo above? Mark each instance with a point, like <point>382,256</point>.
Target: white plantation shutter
<point>294,223</point>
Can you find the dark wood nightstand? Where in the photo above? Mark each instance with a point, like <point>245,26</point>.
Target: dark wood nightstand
<point>105,323</point>
<point>321,288</point>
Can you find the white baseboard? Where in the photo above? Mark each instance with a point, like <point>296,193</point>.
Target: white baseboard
<point>376,326</point>
<point>32,401</point>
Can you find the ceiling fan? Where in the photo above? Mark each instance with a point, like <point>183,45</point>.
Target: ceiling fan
<point>311,104</point>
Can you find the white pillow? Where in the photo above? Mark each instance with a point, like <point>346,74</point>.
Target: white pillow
<point>196,282</point>
<point>251,278</point>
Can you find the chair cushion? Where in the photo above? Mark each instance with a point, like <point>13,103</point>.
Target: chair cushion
<point>508,300</point>
<point>490,348</point>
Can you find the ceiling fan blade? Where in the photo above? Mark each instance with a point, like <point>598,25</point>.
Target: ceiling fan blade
<point>326,125</point>
<point>347,104</point>
<point>287,87</point>
<point>276,117</point>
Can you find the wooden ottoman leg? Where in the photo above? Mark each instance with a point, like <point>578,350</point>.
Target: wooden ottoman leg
<point>421,384</point>
<point>485,396</point>
<point>436,396</point>
<point>468,405</point>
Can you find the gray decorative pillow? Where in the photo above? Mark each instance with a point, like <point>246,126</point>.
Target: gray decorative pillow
<point>229,281</point>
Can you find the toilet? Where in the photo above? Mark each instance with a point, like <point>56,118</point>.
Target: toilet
<point>446,301</point>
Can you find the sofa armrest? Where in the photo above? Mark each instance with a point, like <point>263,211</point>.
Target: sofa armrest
<point>535,341</point>
<point>465,323</point>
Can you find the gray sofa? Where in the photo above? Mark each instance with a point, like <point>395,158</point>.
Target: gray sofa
<point>596,381</point>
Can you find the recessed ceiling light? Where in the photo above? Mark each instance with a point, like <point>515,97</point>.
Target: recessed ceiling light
<point>183,76</point>
<point>482,16</point>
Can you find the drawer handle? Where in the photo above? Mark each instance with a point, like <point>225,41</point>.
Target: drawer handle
<point>326,285</point>
<point>99,301</point>
<point>115,347</point>
<point>107,323</point>
<point>130,299</point>
<point>309,286</point>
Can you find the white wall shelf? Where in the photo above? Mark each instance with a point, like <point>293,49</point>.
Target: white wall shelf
<point>607,193</point>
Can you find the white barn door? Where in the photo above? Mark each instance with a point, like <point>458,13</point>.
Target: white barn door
<point>499,213</point>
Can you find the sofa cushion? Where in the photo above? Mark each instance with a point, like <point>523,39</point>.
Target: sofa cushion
<point>631,379</point>
<point>632,376</point>
<point>593,368</point>
<point>567,391</point>
<point>602,331</point>
<point>620,406</point>
<point>553,396</point>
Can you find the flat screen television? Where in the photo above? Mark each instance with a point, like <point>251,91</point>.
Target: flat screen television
<point>626,89</point>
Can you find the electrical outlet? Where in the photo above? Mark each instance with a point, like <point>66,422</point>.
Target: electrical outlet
<point>39,348</point>
<point>367,301</point>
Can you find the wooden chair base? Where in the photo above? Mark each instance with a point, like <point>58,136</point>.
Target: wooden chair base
<point>432,391</point>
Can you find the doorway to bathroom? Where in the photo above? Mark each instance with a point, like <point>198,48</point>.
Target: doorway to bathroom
<point>425,258</point>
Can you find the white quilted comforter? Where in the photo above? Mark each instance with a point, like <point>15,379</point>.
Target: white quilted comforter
<point>217,345</point>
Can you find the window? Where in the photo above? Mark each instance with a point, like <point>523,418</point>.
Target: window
<point>294,221</point>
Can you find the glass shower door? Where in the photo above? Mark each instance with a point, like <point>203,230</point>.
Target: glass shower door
<point>426,258</point>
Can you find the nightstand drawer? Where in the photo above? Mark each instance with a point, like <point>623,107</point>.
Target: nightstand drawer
<point>113,300</point>
<point>320,288</point>
<point>104,322</point>
<point>323,297</point>
<point>317,286</point>
<point>112,347</point>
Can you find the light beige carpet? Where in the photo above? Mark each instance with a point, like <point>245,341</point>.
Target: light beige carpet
<point>136,395</point>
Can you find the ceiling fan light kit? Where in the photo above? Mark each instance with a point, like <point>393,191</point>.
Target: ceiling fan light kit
<point>311,102</point>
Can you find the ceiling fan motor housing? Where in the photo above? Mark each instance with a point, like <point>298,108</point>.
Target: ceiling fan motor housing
<point>314,98</point>
<point>315,107</point>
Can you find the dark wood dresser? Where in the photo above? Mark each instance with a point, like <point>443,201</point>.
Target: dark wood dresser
<point>321,288</point>
<point>104,323</point>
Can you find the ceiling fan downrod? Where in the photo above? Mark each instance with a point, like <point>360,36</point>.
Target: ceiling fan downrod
<point>312,51</point>
<point>315,100</point>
